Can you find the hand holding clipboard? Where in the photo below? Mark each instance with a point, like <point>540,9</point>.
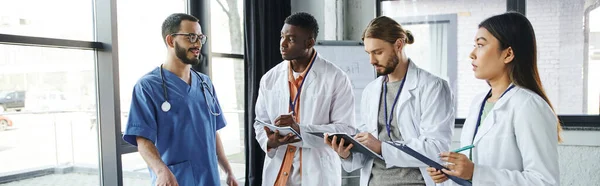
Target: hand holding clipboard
<point>459,165</point>
<point>428,161</point>
<point>349,139</point>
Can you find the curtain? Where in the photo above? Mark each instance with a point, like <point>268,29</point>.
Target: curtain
<point>263,20</point>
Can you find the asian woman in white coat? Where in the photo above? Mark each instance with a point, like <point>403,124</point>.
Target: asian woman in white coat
<point>513,126</point>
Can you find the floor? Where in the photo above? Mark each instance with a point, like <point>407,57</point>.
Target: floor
<point>79,179</point>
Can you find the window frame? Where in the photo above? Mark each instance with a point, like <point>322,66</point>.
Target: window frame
<point>106,63</point>
<point>201,10</point>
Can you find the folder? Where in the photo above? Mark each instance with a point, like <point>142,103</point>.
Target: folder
<point>282,130</point>
<point>349,139</point>
<point>428,161</point>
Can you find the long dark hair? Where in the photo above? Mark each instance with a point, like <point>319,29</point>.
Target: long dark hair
<point>514,30</point>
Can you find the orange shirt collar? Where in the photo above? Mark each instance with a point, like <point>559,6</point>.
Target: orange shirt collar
<point>290,70</point>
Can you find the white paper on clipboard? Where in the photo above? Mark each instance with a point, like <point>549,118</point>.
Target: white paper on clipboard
<point>282,130</point>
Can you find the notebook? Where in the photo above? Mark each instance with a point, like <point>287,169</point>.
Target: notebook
<point>282,130</point>
<point>349,139</point>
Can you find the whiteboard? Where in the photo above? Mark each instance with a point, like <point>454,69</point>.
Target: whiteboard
<point>350,56</point>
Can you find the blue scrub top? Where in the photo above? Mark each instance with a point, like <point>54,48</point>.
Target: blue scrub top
<point>185,135</point>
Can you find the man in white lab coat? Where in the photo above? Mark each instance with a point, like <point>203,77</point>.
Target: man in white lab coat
<point>405,104</point>
<point>309,94</point>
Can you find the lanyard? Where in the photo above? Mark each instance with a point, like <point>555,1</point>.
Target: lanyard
<point>489,94</point>
<point>388,123</point>
<point>295,101</point>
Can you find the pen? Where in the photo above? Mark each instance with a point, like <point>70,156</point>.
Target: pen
<point>463,148</point>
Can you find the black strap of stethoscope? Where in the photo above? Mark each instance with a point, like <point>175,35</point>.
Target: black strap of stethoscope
<point>164,84</point>
<point>202,82</point>
<point>199,77</point>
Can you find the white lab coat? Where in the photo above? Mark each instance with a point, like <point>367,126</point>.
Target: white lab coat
<point>425,116</point>
<point>516,143</point>
<point>326,105</point>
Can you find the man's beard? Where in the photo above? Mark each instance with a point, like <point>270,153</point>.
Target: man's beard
<point>181,53</point>
<point>391,66</point>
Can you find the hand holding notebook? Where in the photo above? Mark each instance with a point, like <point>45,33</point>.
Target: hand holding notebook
<point>349,139</point>
<point>283,131</point>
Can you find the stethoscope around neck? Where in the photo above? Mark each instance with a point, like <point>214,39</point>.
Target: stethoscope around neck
<point>166,106</point>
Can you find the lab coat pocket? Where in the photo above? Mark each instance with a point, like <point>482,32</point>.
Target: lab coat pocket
<point>326,169</point>
<point>183,173</point>
<point>320,106</point>
<point>273,100</point>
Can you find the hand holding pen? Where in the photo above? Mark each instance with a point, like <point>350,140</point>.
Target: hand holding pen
<point>459,165</point>
<point>287,120</point>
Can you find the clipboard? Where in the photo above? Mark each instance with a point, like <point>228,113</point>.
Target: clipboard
<point>349,139</point>
<point>428,161</point>
<point>282,130</point>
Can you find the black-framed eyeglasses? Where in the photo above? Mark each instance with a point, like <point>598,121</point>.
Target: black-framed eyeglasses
<point>193,37</point>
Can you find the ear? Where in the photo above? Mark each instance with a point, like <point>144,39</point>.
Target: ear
<point>509,55</point>
<point>310,43</point>
<point>398,45</point>
<point>170,41</point>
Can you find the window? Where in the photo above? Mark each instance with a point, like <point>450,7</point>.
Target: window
<point>135,170</point>
<point>232,103</point>
<point>227,74</point>
<point>593,61</point>
<point>429,21</point>
<point>566,71</point>
<point>141,46</point>
<point>141,49</point>
<point>227,33</point>
<point>567,43</point>
<point>435,50</point>
<point>49,19</point>
<point>47,117</point>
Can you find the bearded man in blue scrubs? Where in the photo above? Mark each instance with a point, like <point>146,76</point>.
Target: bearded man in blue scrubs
<point>175,113</point>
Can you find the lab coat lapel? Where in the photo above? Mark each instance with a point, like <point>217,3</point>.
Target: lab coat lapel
<point>314,71</point>
<point>310,78</point>
<point>373,111</point>
<point>308,90</point>
<point>490,120</point>
<point>485,126</point>
<point>284,106</point>
<point>405,95</point>
<point>468,129</point>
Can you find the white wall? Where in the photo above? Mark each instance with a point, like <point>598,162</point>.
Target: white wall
<point>314,7</point>
<point>333,17</point>
<point>358,14</point>
<point>559,31</point>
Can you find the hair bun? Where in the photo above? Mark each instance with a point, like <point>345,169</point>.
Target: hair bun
<point>410,39</point>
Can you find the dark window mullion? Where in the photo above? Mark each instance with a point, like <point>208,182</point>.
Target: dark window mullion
<point>49,42</point>
<point>227,55</point>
